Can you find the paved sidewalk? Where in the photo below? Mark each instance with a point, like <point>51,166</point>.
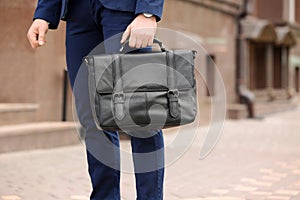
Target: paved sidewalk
<point>254,160</point>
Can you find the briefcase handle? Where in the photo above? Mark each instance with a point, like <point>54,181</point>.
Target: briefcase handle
<point>155,41</point>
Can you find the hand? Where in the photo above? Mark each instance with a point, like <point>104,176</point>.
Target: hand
<point>36,33</point>
<point>141,32</point>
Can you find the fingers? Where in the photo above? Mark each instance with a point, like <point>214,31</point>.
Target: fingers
<point>150,41</point>
<point>145,42</point>
<point>140,38</point>
<point>36,33</point>
<point>132,41</point>
<point>139,42</point>
<point>125,34</point>
<point>141,32</point>
<point>41,36</point>
<point>32,37</point>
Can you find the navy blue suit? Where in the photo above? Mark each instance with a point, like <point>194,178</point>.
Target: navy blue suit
<point>89,23</point>
<point>54,10</point>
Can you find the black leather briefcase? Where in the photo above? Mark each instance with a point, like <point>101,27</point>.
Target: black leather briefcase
<point>144,91</point>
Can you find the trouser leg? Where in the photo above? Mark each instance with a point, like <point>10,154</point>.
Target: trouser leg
<point>148,157</point>
<point>82,36</point>
<point>148,153</point>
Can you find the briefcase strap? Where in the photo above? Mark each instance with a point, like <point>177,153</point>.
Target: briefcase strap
<point>173,92</point>
<point>118,95</point>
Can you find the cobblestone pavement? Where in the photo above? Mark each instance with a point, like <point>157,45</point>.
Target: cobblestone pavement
<point>254,159</point>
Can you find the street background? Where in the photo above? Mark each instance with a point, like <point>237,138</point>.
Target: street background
<point>254,45</point>
<point>254,159</point>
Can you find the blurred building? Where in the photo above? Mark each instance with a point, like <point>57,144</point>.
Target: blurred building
<point>253,43</point>
<point>31,80</point>
<point>31,84</point>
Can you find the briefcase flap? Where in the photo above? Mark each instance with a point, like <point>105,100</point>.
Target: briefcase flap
<point>143,72</point>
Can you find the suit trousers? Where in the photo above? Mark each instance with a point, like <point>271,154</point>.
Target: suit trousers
<point>89,23</point>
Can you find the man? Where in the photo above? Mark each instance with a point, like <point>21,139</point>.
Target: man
<point>90,22</point>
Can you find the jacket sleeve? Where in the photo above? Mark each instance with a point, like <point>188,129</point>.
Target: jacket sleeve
<point>50,11</point>
<point>154,7</point>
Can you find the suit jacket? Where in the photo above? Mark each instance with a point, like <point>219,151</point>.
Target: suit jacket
<point>54,10</point>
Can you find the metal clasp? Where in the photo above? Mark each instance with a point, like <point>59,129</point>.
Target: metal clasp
<point>119,105</point>
<point>173,95</point>
<point>119,97</point>
<point>173,102</point>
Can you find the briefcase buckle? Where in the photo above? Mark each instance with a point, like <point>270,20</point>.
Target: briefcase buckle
<point>173,95</point>
<point>173,102</point>
<point>119,97</point>
<point>119,105</point>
